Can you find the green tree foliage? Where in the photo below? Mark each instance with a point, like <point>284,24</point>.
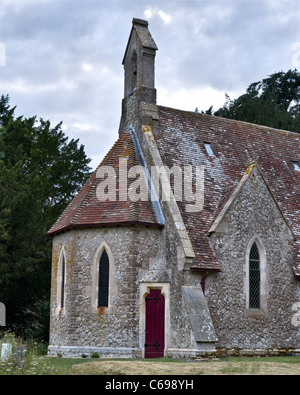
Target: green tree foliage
<point>40,172</point>
<point>274,102</point>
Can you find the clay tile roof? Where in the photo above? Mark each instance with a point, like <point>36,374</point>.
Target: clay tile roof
<point>85,210</point>
<point>236,145</point>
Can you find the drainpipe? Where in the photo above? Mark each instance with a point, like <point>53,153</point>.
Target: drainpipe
<point>203,282</point>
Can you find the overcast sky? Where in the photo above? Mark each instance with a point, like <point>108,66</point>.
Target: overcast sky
<point>62,59</point>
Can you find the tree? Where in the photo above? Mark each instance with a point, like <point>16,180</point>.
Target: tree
<point>274,102</point>
<point>40,172</point>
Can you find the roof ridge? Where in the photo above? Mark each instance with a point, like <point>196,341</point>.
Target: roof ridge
<point>88,194</point>
<point>231,198</point>
<point>110,152</point>
<point>229,120</point>
<point>69,206</point>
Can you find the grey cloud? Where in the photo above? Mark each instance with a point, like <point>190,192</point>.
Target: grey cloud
<point>223,44</point>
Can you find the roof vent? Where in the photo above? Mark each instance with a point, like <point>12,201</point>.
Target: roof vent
<point>296,166</point>
<point>209,149</point>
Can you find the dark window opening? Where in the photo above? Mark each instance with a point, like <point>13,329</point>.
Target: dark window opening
<point>133,72</point>
<point>62,286</point>
<point>103,288</point>
<point>254,278</point>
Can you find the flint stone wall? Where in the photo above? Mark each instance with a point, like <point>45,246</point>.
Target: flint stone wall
<point>138,255</point>
<point>254,215</point>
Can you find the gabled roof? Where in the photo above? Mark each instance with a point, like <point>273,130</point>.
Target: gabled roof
<point>181,139</point>
<point>181,142</point>
<point>225,207</point>
<point>86,211</point>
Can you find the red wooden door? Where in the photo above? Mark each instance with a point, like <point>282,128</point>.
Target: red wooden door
<point>155,324</point>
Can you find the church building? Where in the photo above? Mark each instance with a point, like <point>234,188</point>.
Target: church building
<point>185,241</point>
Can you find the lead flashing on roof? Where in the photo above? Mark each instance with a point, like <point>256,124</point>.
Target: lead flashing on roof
<point>156,205</point>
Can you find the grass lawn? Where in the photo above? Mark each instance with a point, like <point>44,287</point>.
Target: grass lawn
<point>37,363</point>
<point>224,366</point>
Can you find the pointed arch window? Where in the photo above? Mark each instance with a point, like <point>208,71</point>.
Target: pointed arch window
<point>131,73</point>
<point>134,70</point>
<point>254,278</point>
<point>62,282</point>
<point>103,285</point>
